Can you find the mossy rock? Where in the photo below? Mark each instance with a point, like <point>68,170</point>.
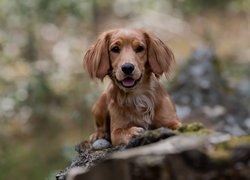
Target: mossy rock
<point>195,128</point>
<point>225,150</point>
<point>193,145</point>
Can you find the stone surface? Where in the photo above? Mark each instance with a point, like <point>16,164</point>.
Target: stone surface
<point>101,144</point>
<point>181,157</point>
<point>202,93</point>
<point>89,157</point>
<point>192,152</point>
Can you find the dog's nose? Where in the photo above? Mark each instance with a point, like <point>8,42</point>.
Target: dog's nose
<point>128,68</point>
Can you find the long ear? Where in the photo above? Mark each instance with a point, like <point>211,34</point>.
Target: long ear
<point>160,57</point>
<point>96,59</point>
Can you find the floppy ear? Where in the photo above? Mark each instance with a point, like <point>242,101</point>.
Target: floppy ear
<point>160,57</point>
<point>96,59</point>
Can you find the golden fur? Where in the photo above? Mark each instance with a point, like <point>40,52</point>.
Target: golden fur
<point>136,101</point>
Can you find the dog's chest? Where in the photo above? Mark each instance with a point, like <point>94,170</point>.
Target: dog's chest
<point>138,108</point>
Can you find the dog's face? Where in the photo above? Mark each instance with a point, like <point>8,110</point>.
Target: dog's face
<point>126,55</point>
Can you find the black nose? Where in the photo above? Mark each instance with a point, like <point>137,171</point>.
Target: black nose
<point>128,68</point>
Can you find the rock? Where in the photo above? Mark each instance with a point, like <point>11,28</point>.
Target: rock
<point>148,137</point>
<point>177,157</point>
<point>89,157</point>
<point>201,93</point>
<point>101,144</point>
<point>244,87</point>
<point>193,150</point>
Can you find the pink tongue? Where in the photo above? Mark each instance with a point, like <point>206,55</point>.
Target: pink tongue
<point>128,82</point>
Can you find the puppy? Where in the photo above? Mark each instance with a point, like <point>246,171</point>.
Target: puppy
<point>134,99</point>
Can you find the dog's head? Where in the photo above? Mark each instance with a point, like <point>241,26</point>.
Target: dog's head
<point>127,56</point>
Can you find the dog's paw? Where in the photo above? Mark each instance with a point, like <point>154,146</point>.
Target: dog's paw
<point>174,125</point>
<point>123,136</point>
<point>131,133</point>
<point>97,135</point>
<point>134,131</point>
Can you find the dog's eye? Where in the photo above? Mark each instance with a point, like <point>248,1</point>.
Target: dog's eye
<point>139,49</point>
<point>115,49</point>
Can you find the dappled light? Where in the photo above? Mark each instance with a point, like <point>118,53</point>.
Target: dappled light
<point>46,95</point>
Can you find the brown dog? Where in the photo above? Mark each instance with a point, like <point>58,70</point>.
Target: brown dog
<point>134,100</point>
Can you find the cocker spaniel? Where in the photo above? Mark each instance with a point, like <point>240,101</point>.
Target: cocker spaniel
<point>134,99</point>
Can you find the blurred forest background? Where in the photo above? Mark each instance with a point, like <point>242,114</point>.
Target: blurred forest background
<point>45,96</point>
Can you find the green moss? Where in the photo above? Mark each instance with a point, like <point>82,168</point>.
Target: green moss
<point>219,152</point>
<point>236,141</point>
<point>195,128</point>
<point>152,133</point>
<point>233,142</point>
<point>223,151</point>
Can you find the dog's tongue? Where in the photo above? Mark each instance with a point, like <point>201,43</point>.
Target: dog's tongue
<point>128,82</point>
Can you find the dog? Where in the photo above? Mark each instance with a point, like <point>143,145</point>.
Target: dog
<point>134,100</point>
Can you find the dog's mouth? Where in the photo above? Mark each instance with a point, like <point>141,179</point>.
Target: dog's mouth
<point>129,82</point>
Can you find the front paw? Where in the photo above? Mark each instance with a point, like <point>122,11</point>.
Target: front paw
<point>123,136</point>
<point>134,131</point>
<point>174,125</point>
<point>100,134</point>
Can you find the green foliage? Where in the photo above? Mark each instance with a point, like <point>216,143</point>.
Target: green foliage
<point>29,161</point>
<point>35,117</point>
<point>44,9</point>
<point>52,9</point>
<point>193,7</point>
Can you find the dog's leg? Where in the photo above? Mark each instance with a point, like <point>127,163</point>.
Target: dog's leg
<point>122,130</point>
<point>165,114</point>
<point>101,115</point>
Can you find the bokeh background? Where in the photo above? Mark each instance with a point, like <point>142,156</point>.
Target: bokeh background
<point>45,95</point>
